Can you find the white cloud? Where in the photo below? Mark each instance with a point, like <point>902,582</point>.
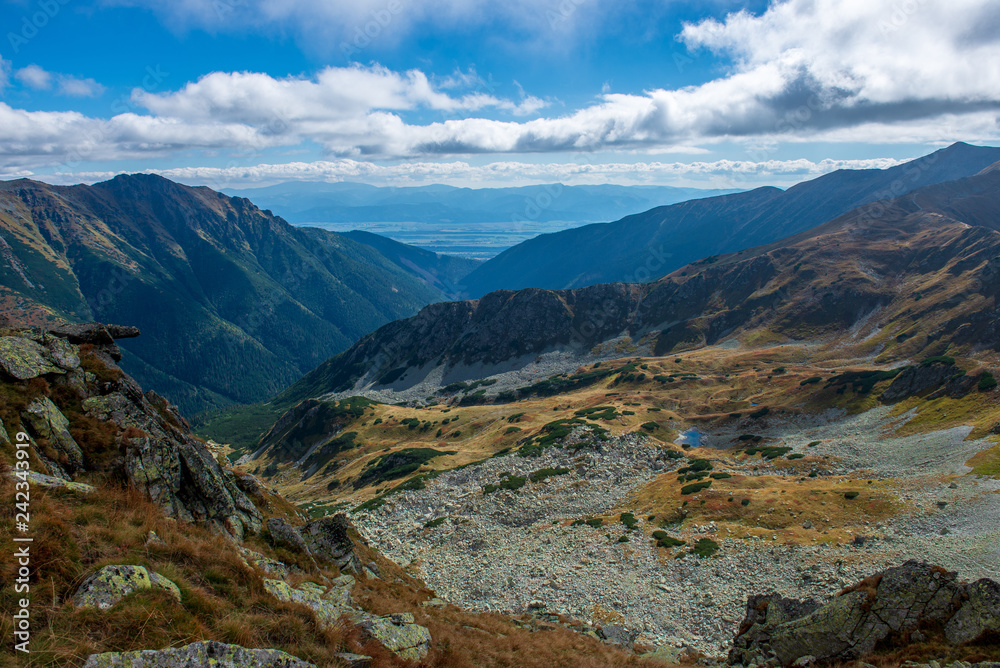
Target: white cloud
<point>878,71</point>
<point>739,173</point>
<point>75,87</point>
<point>35,77</point>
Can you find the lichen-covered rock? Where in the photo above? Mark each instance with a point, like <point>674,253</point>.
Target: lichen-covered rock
<point>328,604</point>
<point>198,655</point>
<point>327,539</point>
<point>50,482</point>
<point>111,584</point>
<point>399,633</point>
<point>978,615</point>
<point>24,359</point>
<point>270,566</point>
<point>45,420</point>
<point>849,626</point>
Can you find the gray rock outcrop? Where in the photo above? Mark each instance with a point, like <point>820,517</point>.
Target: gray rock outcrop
<point>111,584</point>
<point>399,633</point>
<point>146,440</point>
<point>210,653</point>
<point>891,604</point>
<point>918,379</point>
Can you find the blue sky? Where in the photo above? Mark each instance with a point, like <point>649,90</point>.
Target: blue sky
<point>470,92</point>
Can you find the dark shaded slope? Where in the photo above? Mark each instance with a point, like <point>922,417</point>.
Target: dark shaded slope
<point>235,303</point>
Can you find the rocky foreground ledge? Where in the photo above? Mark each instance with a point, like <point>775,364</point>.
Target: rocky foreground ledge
<point>908,604</point>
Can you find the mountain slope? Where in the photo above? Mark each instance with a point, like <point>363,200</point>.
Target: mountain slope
<point>243,301</point>
<point>654,243</point>
<point>440,271</point>
<point>900,278</point>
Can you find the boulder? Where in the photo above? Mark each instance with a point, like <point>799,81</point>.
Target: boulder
<point>328,604</point>
<point>24,359</point>
<point>284,534</point>
<point>50,482</point>
<point>978,615</point>
<point>111,584</point>
<point>616,634</point>
<point>205,653</point>
<point>327,539</point>
<point>849,626</point>
<point>47,421</point>
<point>399,633</point>
<point>183,477</point>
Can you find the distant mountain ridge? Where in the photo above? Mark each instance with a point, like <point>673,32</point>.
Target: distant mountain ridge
<point>654,243</point>
<point>912,275</point>
<point>235,302</point>
<point>306,202</point>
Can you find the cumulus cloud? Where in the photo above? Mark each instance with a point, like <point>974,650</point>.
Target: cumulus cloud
<point>877,71</point>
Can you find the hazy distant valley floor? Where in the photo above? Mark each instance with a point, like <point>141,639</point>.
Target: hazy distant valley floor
<point>517,550</point>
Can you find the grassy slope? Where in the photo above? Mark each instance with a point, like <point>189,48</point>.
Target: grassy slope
<point>709,386</point>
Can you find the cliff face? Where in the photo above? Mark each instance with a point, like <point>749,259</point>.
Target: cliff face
<point>83,417</point>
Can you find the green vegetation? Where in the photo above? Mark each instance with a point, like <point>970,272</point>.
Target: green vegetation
<point>554,431</point>
<point>694,488</point>
<point>811,381</point>
<point>239,426</point>
<point>597,413</point>
<point>987,381</point>
<point>542,474</point>
<point>705,547</point>
<point>796,455</point>
<point>629,520</point>
<point>696,465</point>
<point>938,359</point>
<point>663,539</point>
<point>759,413</point>
<point>507,481</point>
<point>851,495</point>
<point>435,523</point>
<point>769,452</point>
<point>720,476</point>
<point>650,426</point>
<point>512,430</point>
<point>397,464</point>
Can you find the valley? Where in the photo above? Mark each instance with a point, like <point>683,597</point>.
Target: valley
<point>600,523</point>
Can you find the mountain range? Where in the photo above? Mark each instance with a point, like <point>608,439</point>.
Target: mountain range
<point>652,244</point>
<point>901,278</point>
<point>306,202</point>
<point>236,302</point>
